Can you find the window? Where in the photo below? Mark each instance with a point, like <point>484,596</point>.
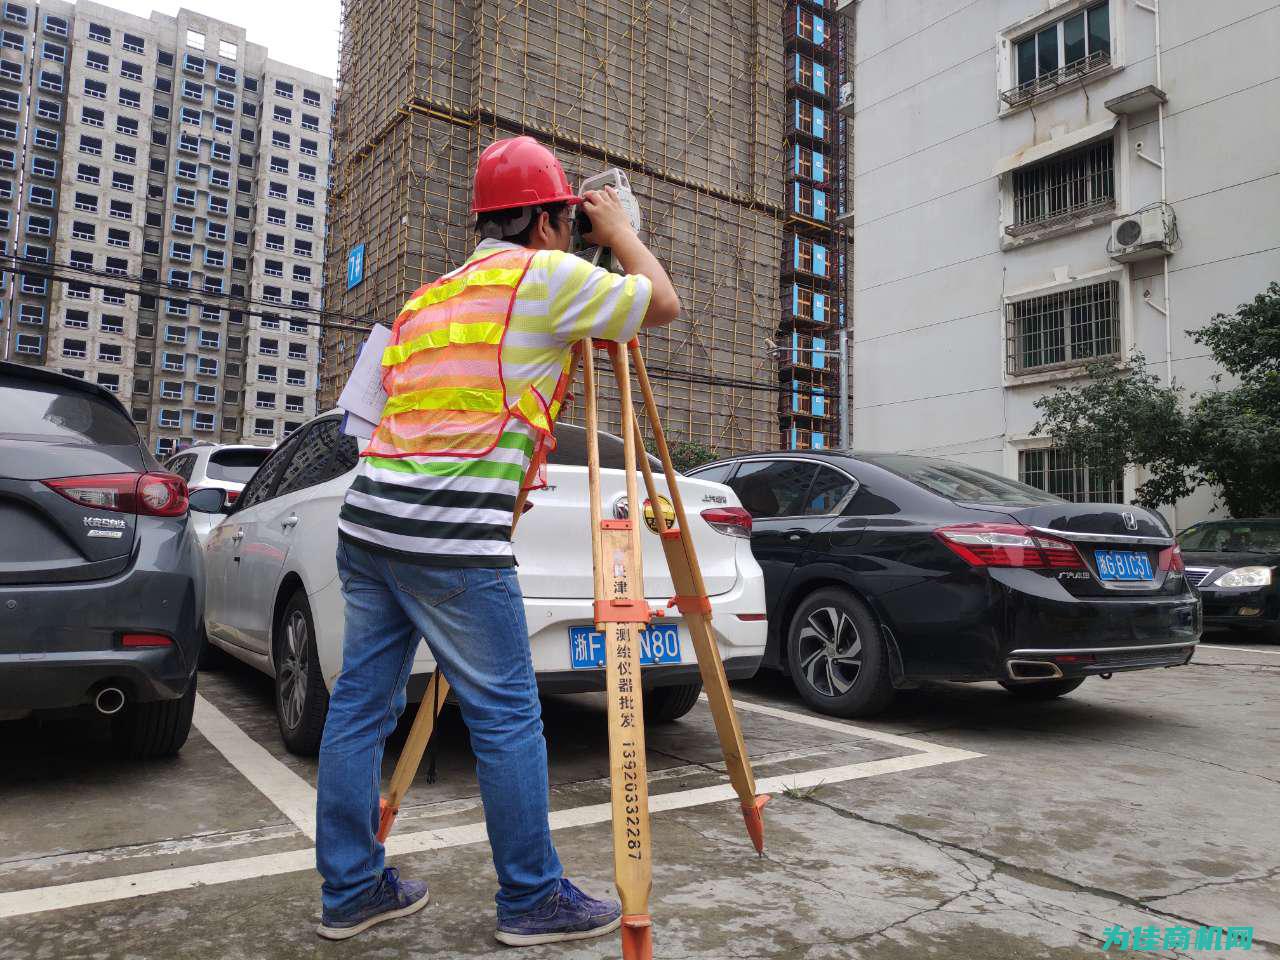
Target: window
<point>1063,188</point>
<point>164,58</point>
<point>297,326</point>
<point>110,353</point>
<point>77,318</point>
<point>207,366</point>
<point>82,231</point>
<point>224,100</point>
<point>191,116</point>
<point>173,361</point>
<point>306,172</point>
<point>188,143</point>
<point>133,100</point>
<point>297,351</point>
<point>216,231</point>
<point>302,248</point>
<point>49,79</point>
<point>308,147</point>
<point>184,196</point>
<point>304,222</point>
<point>226,74</point>
<point>196,41</point>
<point>35,252</point>
<point>265,399</point>
<point>218,205</point>
<point>279,139</point>
<point>44,167</point>
<point>164,85</point>
<point>1065,327</point>
<point>122,181</point>
<point>311,98</point>
<point>310,123</point>
<point>774,488</point>
<point>39,226</point>
<point>269,348</point>
<point>216,259</point>
<point>266,374</point>
<point>219,178</point>
<point>14,41</point>
<point>170,419</point>
<point>97,61</point>
<point>180,278</point>
<point>249,109</point>
<point>8,130</point>
<point>127,126</point>
<point>95,89</point>
<point>251,84</point>
<point>277,191</point>
<point>29,343</point>
<point>300,298</point>
<point>220,152</point>
<point>273,268</point>
<point>76,349</point>
<point>13,71</point>
<point>270,321</point>
<point>38,286</point>
<point>183,223</point>
<point>1063,475</point>
<point>176,308</point>
<point>275,215</point>
<point>122,209</point>
<point>112,323</point>
<point>160,112</point>
<point>100,33</point>
<point>174,334</point>
<point>307,198</point>
<point>202,420</point>
<point>31,313</point>
<point>210,339</point>
<point>179,251</point>
<point>282,115</point>
<point>41,196</point>
<point>296,378</point>
<point>54,52</point>
<point>6,193</point>
<point>1060,53</point>
<point>193,90</point>
<point>210,312</point>
<point>222,124</point>
<point>187,170</point>
<point>279,165</point>
<point>125,154</point>
<point>117,237</point>
<point>93,117</point>
<point>284,89</point>
<point>91,146</point>
<point>55,25</point>
<point>113,295</point>
<point>49,109</point>
<point>272,295</point>
<point>275,241</point>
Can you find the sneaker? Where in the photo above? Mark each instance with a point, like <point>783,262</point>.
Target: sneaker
<point>568,914</point>
<point>393,898</point>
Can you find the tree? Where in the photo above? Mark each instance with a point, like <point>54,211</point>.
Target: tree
<point>1227,438</point>
<point>685,454</point>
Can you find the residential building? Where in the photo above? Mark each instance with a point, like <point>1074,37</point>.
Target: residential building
<point>1001,145</point>
<point>172,156</point>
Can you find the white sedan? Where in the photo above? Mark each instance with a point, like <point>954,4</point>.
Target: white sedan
<point>273,598</point>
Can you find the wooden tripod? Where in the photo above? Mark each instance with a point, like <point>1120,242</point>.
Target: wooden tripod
<point>621,613</point>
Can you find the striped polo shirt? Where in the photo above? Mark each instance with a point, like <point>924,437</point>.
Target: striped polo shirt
<point>457,511</point>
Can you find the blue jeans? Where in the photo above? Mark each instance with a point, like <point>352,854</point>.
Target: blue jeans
<point>473,621</point>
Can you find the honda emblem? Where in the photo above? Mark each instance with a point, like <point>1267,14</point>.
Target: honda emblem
<point>1130,521</point>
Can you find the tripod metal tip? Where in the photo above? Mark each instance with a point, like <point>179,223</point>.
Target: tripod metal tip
<point>753,814</point>
<point>637,937</point>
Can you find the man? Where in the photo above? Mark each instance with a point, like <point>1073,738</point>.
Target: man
<point>475,376</point>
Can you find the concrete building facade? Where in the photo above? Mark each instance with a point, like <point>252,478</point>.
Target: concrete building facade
<point>172,157</point>
<point>1000,146</point>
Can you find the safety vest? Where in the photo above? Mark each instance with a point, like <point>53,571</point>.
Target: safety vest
<point>442,371</point>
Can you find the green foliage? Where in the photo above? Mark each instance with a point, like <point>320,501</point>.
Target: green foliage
<point>685,454</point>
<point>1227,438</point>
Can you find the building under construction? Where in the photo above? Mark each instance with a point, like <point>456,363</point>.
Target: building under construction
<point>689,99</point>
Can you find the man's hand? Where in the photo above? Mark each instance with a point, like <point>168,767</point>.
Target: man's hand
<point>609,221</point>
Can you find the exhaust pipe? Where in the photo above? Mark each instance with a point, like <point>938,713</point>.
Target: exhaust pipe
<point>109,701</point>
<point>1033,670</point>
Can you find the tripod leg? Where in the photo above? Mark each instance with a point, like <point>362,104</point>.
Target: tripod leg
<point>691,599</point>
<point>424,724</point>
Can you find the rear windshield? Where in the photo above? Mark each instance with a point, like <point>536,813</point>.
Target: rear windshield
<point>236,466</point>
<point>1233,537</point>
<point>42,411</point>
<point>571,449</point>
<point>962,484</point>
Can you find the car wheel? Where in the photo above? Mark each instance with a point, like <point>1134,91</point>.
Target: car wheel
<point>158,728</point>
<point>1042,689</point>
<point>667,704</point>
<point>301,698</point>
<point>838,658</point>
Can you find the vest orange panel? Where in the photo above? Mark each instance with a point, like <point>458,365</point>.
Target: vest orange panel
<point>443,369</point>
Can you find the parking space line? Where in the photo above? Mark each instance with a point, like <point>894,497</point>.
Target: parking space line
<point>292,795</point>
<point>88,892</point>
<point>1215,646</point>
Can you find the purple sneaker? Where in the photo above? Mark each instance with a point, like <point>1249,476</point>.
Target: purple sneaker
<point>568,914</point>
<point>393,898</point>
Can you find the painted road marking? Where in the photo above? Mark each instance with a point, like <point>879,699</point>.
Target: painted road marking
<point>292,795</point>
<point>1214,646</point>
<point>296,799</point>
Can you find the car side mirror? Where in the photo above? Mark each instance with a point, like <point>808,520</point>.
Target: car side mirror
<point>209,500</point>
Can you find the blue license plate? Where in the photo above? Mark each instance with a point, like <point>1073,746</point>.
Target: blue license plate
<point>1123,565</point>
<point>658,644</point>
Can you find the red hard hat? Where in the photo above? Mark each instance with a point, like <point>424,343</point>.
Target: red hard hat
<point>519,172</point>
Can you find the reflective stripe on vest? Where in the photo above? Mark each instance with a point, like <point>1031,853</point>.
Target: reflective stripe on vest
<point>443,370</point>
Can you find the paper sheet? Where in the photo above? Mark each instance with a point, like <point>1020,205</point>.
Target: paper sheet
<point>363,397</point>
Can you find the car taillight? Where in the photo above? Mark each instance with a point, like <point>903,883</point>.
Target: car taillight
<point>731,521</point>
<point>1171,559</point>
<point>148,494</point>
<point>1008,545</point>
<point>232,496</point>
<point>145,640</point>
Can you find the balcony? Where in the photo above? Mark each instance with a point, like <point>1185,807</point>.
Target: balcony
<point>1054,80</point>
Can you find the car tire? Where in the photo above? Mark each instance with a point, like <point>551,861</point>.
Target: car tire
<point>301,699</point>
<point>157,728</point>
<point>837,656</point>
<point>668,704</point>
<point>1042,689</point>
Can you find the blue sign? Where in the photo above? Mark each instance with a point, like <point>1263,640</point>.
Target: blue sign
<point>355,266</point>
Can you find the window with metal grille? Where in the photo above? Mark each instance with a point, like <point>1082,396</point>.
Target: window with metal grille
<point>1064,188</point>
<point>1066,476</point>
<point>1069,326</point>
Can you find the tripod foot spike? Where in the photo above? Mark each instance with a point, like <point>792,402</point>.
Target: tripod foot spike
<point>753,813</point>
<point>386,817</point>
<point>637,937</point>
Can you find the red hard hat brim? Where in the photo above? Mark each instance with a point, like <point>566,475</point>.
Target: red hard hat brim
<point>568,198</point>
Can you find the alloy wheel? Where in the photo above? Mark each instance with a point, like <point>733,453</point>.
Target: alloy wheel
<point>294,667</point>
<point>830,651</point>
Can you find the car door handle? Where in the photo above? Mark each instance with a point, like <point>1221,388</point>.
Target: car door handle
<point>289,522</point>
<point>237,536</point>
<point>795,537</point>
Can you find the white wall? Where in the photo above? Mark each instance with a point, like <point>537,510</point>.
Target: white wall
<point>930,273</point>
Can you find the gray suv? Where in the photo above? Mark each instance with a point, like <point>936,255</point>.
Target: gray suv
<point>101,577</point>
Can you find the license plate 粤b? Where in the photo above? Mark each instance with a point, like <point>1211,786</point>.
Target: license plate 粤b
<point>658,644</point>
<point>1123,565</point>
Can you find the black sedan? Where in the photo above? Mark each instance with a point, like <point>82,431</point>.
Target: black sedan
<point>882,570</point>
<point>1233,564</point>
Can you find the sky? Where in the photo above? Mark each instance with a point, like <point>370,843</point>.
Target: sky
<point>302,33</point>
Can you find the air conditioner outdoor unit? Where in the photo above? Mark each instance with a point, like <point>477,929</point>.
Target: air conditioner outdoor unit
<point>1142,235</point>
